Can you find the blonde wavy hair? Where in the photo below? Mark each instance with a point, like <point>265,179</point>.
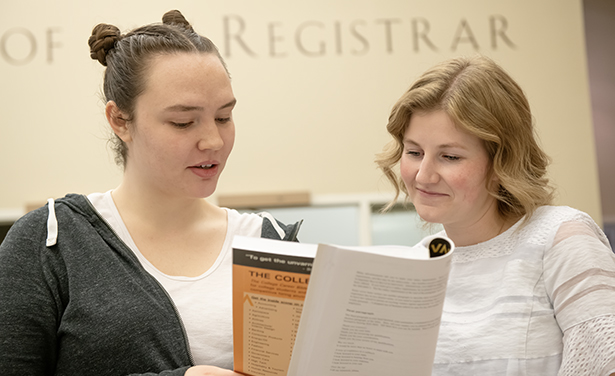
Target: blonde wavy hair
<point>483,100</point>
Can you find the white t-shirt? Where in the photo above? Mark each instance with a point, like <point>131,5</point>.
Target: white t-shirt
<point>204,302</point>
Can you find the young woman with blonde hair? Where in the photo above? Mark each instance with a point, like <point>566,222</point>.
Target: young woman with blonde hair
<point>532,285</point>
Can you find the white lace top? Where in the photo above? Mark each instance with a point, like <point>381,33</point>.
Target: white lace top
<point>535,300</point>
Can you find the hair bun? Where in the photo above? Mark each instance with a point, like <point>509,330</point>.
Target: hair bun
<point>103,40</point>
<point>174,17</point>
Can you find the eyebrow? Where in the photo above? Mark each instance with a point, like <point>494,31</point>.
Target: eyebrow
<point>229,104</point>
<point>184,108</point>
<point>443,146</point>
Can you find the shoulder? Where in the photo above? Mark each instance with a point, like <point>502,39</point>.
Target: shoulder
<point>33,227</point>
<point>559,214</point>
<point>262,224</point>
<point>244,224</point>
<point>550,223</point>
<point>28,229</point>
<point>26,242</point>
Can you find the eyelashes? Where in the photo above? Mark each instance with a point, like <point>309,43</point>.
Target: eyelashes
<point>419,154</point>
<point>179,125</point>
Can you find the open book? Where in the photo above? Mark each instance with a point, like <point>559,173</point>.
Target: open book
<point>304,309</point>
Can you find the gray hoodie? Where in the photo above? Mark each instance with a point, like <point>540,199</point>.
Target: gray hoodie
<point>74,299</point>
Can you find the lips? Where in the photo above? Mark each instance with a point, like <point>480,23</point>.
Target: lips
<point>205,170</point>
<point>427,193</point>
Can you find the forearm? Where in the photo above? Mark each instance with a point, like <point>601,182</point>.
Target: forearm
<point>589,349</point>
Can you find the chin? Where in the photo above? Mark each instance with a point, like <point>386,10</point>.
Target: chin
<point>204,192</point>
<point>429,215</point>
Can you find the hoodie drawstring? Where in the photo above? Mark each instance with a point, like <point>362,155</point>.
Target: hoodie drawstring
<point>52,224</point>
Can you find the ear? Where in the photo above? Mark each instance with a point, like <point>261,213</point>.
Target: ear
<point>494,178</point>
<point>117,120</point>
<point>494,183</point>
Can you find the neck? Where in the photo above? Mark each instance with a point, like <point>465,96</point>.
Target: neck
<point>159,210</point>
<point>478,232</point>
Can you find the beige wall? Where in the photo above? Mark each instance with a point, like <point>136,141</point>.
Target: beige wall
<point>315,82</point>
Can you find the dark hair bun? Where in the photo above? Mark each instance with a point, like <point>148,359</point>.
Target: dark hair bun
<point>174,17</point>
<point>102,41</point>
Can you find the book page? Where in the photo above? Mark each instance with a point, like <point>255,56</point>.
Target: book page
<point>370,314</point>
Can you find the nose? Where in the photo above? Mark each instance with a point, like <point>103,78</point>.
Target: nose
<point>428,172</point>
<point>209,137</point>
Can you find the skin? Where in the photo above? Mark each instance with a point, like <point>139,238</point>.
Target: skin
<point>182,120</point>
<point>209,371</point>
<point>445,172</point>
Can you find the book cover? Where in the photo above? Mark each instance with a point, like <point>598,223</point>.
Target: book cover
<point>269,288</point>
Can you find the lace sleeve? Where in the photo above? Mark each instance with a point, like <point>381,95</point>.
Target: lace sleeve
<point>579,275</point>
<point>580,278</point>
<point>589,348</point>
